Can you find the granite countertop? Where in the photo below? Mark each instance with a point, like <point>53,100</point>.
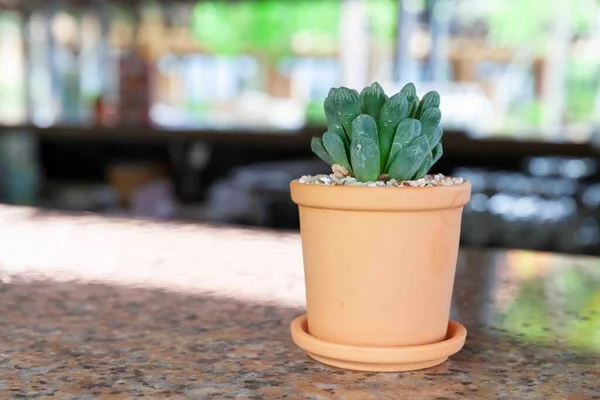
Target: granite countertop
<point>92,307</point>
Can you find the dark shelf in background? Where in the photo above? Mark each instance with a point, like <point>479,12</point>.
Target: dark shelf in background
<point>456,142</point>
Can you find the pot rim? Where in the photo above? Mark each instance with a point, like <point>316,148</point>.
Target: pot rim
<point>364,198</point>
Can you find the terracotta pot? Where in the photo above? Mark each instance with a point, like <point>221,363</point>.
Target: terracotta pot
<point>379,263</point>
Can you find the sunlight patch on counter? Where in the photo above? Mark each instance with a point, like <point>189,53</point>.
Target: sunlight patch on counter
<point>251,265</point>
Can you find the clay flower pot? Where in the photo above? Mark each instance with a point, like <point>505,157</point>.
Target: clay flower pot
<point>379,269</point>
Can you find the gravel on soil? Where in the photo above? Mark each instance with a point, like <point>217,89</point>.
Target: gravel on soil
<point>340,177</point>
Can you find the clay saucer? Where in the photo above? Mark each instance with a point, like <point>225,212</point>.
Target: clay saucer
<point>378,359</point>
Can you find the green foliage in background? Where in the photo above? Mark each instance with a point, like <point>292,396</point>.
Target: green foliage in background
<point>270,25</point>
<point>371,134</point>
<point>582,82</point>
<point>529,24</point>
<point>321,17</point>
<point>524,116</point>
<point>267,26</point>
<point>12,92</point>
<point>314,113</point>
<point>221,27</point>
<point>512,23</point>
<point>383,16</point>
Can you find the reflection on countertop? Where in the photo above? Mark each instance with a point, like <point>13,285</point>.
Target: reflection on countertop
<point>120,309</point>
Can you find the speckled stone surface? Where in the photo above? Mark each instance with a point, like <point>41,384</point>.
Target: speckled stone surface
<point>114,309</point>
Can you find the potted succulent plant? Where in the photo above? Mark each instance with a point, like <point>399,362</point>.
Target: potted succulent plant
<point>380,235</point>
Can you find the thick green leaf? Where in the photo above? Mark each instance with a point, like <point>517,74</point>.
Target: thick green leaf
<point>372,98</point>
<point>429,121</point>
<point>407,162</point>
<point>347,103</point>
<point>409,90</point>
<point>430,100</point>
<point>427,163</point>
<point>407,131</point>
<point>436,136</point>
<point>364,149</point>
<point>437,152</point>
<point>346,141</point>
<point>316,145</point>
<point>365,159</point>
<point>413,106</point>
<point>422,142</point>
<point>392,112</point>
<point>334,124</point>
<point>336,149</point>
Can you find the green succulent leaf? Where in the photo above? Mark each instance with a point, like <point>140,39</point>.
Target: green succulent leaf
<point>409,90</point>
<point>427,163</point>
<point>372,98</point>
<point>407,162</point>
<point>422,142</point>
<point>346,142</point>
<point>437,153</point>
<point>347,103</point>
<point>407,131</point>
<point>364,149</point>
<point>336,148</point>
<point>429,122</point>
<point>392,112</point>
<point>334,124</point>
<point>413,103</point>
<point>316,145</point>
<point>430,100</point>
<point>436,136</point>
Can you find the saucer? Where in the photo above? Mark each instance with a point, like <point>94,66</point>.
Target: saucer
<point>378,359</point>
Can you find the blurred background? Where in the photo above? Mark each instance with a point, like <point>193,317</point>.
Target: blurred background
<point>204,110</point>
